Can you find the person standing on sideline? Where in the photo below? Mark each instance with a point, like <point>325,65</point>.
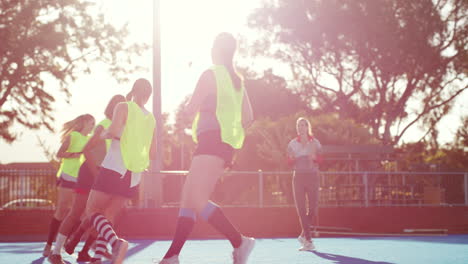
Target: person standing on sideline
<point>94,152</point>
<point>304,151</point>
<point>222,110</point>
<point>74,138</point>
<point>133,143</point>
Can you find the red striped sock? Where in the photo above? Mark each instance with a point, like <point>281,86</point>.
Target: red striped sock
<point>104,229</point>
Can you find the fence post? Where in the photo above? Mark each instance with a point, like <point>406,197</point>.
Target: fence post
<point>466,189</point>
<point>260,188</point>
<point>366,189</point>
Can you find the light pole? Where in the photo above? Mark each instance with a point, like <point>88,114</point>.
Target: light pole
<point>153,195</point>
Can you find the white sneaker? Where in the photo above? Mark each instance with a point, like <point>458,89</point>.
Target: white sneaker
<point>172,260</point>
<point>241,254</point>
<point>307,246</point>
<point>301,239</point>
<point>119,251</point>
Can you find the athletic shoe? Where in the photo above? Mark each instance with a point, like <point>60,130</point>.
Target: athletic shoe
<point>307,246</point>
<point>47,250</point>
<point>69,247</point>
<point>83,257</point>
<point>119,251</point>
<point>172,260</point>
<point>241,254</point>
<point>107,255</point>
<point>55,259</point>
<point>96,261</point>
<point>302,239</point>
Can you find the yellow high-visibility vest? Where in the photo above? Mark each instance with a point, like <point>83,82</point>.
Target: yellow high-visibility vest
<point>228,109</point>
<point>135,142</point>
<point>105,124</point>
<point>71,166</point>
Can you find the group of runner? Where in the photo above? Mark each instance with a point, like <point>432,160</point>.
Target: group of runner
<point>101,166</point>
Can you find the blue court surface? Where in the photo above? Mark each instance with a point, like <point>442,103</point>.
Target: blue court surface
<point>452,249</point>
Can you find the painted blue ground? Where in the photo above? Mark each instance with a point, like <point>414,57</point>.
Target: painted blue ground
<point>451,249</point>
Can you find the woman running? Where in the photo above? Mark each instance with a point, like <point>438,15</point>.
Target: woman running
<point>132,145</point>
<point>94,152</point>
<point>222,110</point>
<point>303,151</point>
<point>74,138</point>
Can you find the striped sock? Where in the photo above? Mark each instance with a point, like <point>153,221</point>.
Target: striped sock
<point>101,247</point>
<point>104,229</point>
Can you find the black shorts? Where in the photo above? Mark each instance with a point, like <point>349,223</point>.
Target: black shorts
<point>111,182</point>
<point>65,184</point>
<point>210,143</point>
<point>85,178</point>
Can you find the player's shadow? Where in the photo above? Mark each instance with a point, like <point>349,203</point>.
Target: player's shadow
<point>338,259</point>
<point>134,248</point>
<point>43,260</point>
<point>140,246</point>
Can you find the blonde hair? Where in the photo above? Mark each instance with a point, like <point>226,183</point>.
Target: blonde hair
<point>77,124</point>
<point>309,126</point>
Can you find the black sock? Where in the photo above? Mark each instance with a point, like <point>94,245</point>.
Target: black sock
<point>75,237</point>
<point>75,227</point>
<point>89,242</point>
<point>53,230</point>
<point>215,216</point>
<point>185,223</point>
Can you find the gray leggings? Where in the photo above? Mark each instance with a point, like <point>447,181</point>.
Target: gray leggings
<point>306,184</point>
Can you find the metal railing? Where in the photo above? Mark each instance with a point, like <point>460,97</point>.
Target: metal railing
<point>270,189</point>
<point>364,189</point>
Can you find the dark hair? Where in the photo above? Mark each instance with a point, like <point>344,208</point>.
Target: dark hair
<point>118,98</point>
<point>141,88</point>
<point>224,47</point>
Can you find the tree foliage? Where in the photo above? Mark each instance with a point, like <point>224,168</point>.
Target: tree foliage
<point>57,39</point>
<point>389,64</point>
<point>270,97</point>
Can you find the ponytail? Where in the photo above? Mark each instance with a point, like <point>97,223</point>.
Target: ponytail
<point>129,96</point>
<point>76,124</point>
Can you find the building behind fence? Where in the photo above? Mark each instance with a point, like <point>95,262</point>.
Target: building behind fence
<point>269,189</point>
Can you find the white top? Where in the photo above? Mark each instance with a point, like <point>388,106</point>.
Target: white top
<point>113,161</point>
<point>311,147</point>
<point>304,153</point>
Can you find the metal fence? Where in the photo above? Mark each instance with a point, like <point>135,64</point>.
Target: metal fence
<point>270,189</point>
<point>22,188</point>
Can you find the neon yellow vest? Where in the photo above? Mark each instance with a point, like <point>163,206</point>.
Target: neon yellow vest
<point>71,166</point>
<point>105,124</point>
<point>228,109</point>
<point>135,142</point>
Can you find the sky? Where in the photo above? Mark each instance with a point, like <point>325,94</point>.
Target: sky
<point>187,31</point>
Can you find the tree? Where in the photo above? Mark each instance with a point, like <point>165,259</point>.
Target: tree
<point>56,39</point>
<point>387,64</point>
<point>270,97</point>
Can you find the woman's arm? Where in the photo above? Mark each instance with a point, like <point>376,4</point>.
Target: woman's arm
<point>118,121</point>
<point>92,142</point>
<point>62,152</point>
<point>290,155</point>
<point>153,148</point>
<point>205,83</point>
<point>247,113</point>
